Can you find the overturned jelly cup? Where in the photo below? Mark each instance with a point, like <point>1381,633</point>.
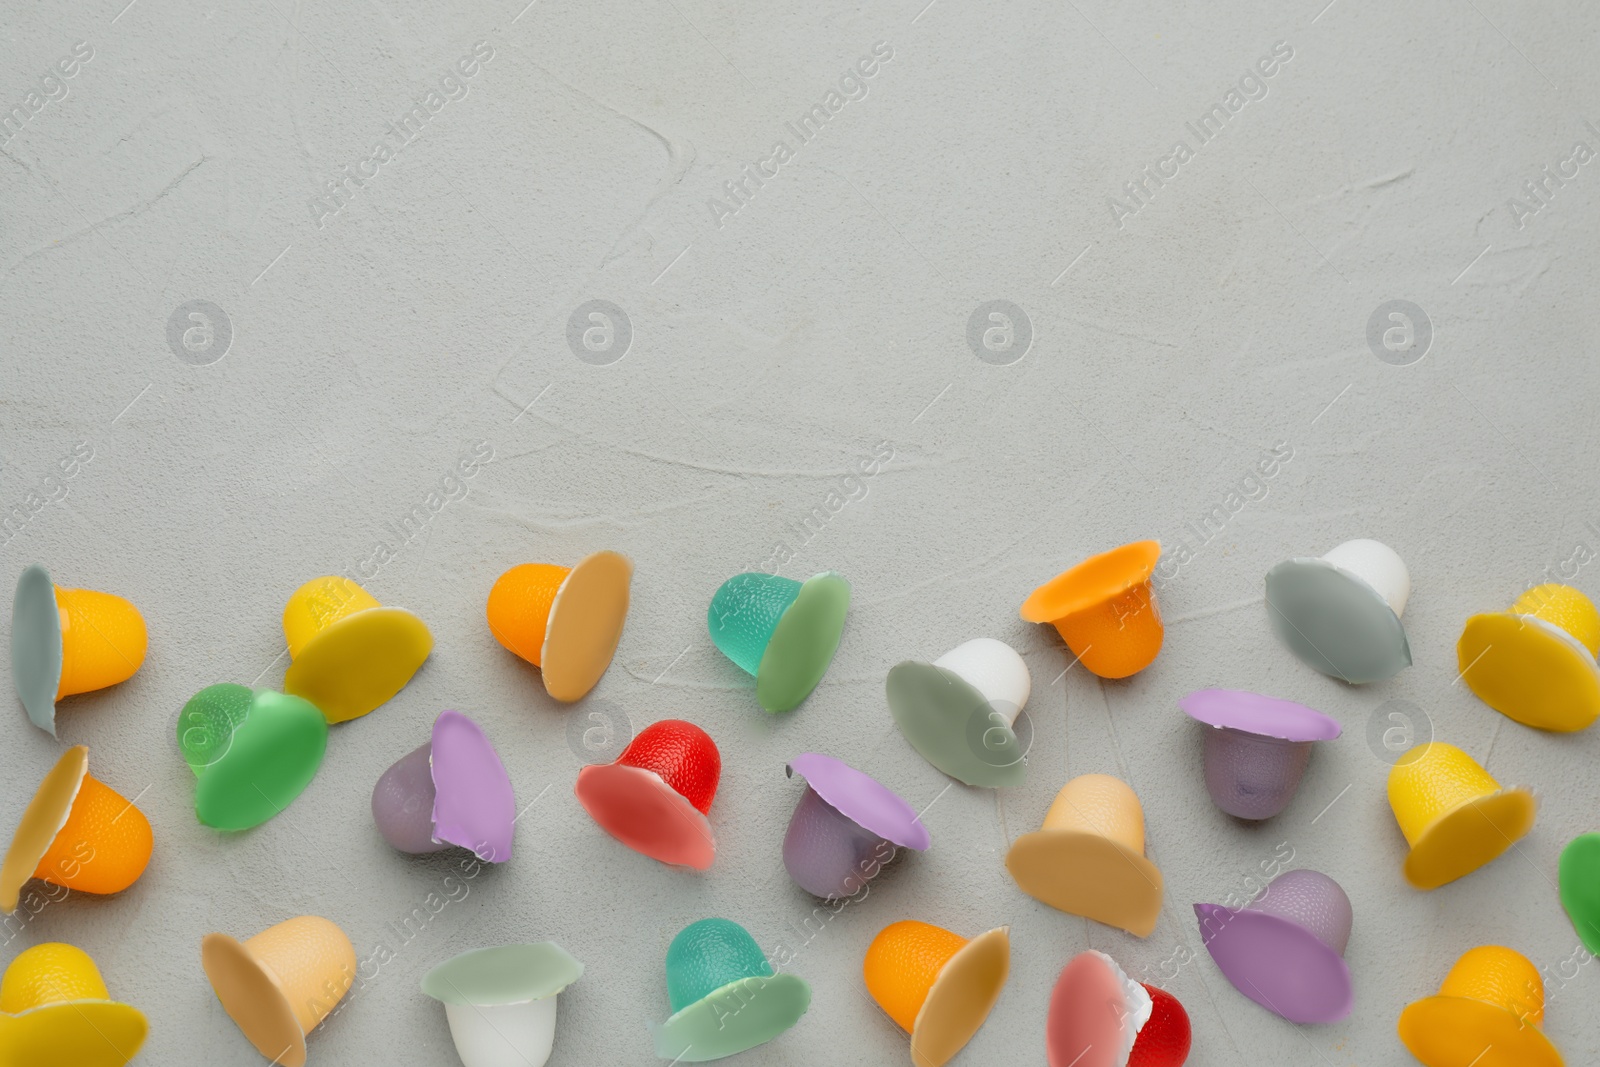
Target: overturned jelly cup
<point>781,631</point>
<point>253,752</point>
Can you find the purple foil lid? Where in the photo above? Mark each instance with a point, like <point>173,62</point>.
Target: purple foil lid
<point>862,799</point>
<point>1281,966</point>
<point>1253,713</point>
<point>473,804</point>
<point>1284,950</point>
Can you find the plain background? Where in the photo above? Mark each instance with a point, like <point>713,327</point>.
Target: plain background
<point>769,355</point>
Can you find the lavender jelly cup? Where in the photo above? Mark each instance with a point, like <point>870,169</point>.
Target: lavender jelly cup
<point>1257,749</point>
<point>845,828</point>
<point>451,791</point>
<point>1285,949</point>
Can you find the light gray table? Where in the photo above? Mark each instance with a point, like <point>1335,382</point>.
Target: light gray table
<point>375,324</point>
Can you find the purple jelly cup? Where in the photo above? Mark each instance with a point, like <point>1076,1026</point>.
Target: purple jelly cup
<point>1257,748</point>
<point>451,791</point>
<point>845,828</point>
<point>1285,949</point>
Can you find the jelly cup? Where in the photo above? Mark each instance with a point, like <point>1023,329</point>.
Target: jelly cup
<point>1340,614</point>
<point>565,621</point>
<point>845,828</point>
<point>1088,859</point>
<point>1488,1013</point>
<point>1285,949</point>
<point>280,984</point>
<point>451,791</point>
<point>76,832</point>
<point>656,796</point>
<point>253,752</point>
<point>1454,815</point>
<point>725,997</point>
<point>1536,662</point>
<point>959,711</point>
<point>781,631</point>
<point>936,985</point>
<point>1257,748</point>
<point>1579,881</point>
<point>68,641</point>
<point>501,1001</point>
<point>55,1011</point>
<point>349,654</point>
<point>1099,1017</point>
<point>1105,609</point>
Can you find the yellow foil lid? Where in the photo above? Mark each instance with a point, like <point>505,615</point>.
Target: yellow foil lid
<point>1536,662</point>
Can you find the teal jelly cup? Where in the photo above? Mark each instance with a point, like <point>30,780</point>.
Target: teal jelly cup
<point>781,631</point>
<point>253,750</point>
<point>725,997</point>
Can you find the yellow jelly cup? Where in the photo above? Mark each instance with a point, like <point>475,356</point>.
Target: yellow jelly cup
<point>68,641</point>
<point>76,832</point>
<point>349,654</point>
<point>1488,1013</point>
<point>1536,662</point>
<point>566,621</point>
<point>57,1012</point>
<point>1088,858</point>
<point>280,984</point>
<point>936,985</point>
<point>1454,815</point>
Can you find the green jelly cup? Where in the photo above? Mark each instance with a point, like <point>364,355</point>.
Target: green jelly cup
<point>725,998</point>
<point>1579,879</point>
<point>253,751</point>
<point>781,631</point>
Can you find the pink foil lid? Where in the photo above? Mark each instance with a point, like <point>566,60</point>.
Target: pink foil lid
<point>1093,1021</point>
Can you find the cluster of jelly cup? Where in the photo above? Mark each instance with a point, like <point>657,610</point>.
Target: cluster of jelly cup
<point>1339,613</point>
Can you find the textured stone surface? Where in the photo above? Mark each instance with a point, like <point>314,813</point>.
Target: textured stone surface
<point>820,333</point>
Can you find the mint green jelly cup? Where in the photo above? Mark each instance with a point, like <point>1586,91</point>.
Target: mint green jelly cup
<point>253,750</point>
<point>725,997</point>
<point>781,631</point>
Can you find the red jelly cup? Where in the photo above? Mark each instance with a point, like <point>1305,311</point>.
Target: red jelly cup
<point>656,796</point>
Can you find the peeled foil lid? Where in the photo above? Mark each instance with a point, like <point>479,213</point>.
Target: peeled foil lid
<point>473,806</point>
<point>1096,1013</point>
